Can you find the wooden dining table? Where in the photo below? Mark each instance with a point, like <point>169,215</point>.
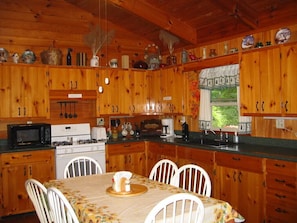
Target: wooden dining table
<point>92,201</point>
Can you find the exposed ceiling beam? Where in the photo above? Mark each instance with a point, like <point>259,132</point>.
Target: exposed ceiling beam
<point>160,18</point>
<point>240,10</point>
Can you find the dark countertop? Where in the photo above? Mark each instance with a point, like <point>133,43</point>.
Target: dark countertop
<point>263,151</point>
<point>273,151</point>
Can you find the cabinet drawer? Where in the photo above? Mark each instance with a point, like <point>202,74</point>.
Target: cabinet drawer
<point>280,213</point>
<point>26,157</point>
<point>241,162</point>
<point>200,155</point>
<point>282,198</point>
<point>281,167</point>
<point>281,182</point>
<point>164,149</point>
<point>125,148</point>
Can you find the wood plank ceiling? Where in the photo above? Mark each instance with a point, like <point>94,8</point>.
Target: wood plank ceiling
<point>194,22</point>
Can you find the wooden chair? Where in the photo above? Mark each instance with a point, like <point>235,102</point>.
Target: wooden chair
<point>193,178</point>
<point>163,171</point>
<point>38,195</point>
<point>82,166</point>
<point>181,208</point>
<point>60,206</point>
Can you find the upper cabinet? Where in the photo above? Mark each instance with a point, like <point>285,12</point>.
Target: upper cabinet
<point>70,78</point>
<point>289,79</point>
<point>267,77</point>
<point>24,91</point>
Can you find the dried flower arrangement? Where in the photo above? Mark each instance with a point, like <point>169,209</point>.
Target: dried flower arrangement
<point>168,39</point>
<point>97,37</point>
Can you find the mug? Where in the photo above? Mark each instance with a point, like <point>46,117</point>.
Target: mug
<point>113,63</point>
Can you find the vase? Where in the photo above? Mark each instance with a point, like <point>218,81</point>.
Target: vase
<point>94,61</point>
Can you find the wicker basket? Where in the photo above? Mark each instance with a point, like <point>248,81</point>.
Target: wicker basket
<point>52,56</point>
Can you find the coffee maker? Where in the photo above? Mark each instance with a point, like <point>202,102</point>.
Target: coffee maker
<point>167,128</point>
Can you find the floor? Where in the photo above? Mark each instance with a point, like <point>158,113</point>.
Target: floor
<point>23,218</point>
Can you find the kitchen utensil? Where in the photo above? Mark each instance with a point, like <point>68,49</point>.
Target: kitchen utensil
<point>74,113</point>
<point>65,114</point>
<point>70,113</point>
<point>61,113</point>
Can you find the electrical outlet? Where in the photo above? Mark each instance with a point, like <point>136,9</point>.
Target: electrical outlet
<point>100,121</point>
<point>280,123</point>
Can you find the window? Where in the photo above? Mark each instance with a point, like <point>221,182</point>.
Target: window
<point>219,100</point>
<point>224,109</point>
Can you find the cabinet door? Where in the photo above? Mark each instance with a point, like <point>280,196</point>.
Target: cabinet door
<point>172,90</point>
<point>115,97</point>
<point>240,181</point>
<point>25,91</point>
<point>154,85</point>
<point>260,83</point>
<point>62,78</point>
<point>289,78</point>
<point>158,151</point>
<point>139,85</point>
<point>126,156</point>
<point>16,168</point>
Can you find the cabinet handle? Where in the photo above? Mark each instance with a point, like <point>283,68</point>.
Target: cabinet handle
<point>239,177</point>
<point>24,111</point>
<point>257,106</point>
<point>262,105</point>
<point>279,181</point>
<point>30,170</point>
<point>112,110</point>
<point>19,109</point>
<point>127,145</point>
<point>27,155</point>
<point>25,171</point>
<point>234,176</point>
<point>280,165</point>
<point>117,108</point>
<point>280,210</point>
<point>280,196</point>
<point>236,159</point>
<point>286,108</point>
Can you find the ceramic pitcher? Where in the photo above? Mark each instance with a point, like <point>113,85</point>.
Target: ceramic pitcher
<point>94,61</point>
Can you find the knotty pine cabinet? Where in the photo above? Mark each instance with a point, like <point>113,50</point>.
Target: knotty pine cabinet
<point>72,78</point>
<point>267,78</point>
<point>200,157</point>
<point>281,191</point>
<point>172,88</point>
<point>16,168</point>
<point>24,91</point>
<point>157,151</point>
<point>240,181</point>
<point>260,82</point>
<point>126,156</point>
<point>116,97</point>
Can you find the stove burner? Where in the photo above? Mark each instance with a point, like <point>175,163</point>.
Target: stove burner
<point>62,143</point>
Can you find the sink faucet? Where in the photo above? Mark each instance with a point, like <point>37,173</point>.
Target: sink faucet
<point>209,130</point>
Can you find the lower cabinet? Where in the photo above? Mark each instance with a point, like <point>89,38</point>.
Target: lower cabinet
<point>200,157</point>
<point>240,181</point>
<point>16,168</point>
<point>281,191</point>
<point>126,156</point>
<point>158,151</point>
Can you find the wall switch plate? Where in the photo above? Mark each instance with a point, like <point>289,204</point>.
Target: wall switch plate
<point>280,123</point>
<point>100,121</point>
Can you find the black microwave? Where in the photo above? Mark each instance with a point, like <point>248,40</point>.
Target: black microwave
<point>28,135</point>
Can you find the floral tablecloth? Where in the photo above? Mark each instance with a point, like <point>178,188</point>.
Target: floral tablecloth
<point>93,204</point>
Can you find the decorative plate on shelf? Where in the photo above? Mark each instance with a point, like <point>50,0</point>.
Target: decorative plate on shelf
<point>3,55</point>
<point>247,42</point>
<point>282,36</point>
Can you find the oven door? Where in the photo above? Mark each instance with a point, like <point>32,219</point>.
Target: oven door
<point>63,159</point>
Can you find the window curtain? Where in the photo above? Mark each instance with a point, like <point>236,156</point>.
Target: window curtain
<point>216,78</point>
